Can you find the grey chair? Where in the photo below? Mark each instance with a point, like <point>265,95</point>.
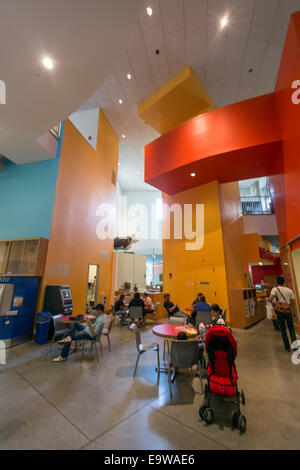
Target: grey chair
<point>183,355</point>
<point>203,317</point>
<point>177,320</point>
<point>136,313</point>
<point>93,342</point>
<point>106,331</point>
<point>142,348</point>
<point>59,329</point>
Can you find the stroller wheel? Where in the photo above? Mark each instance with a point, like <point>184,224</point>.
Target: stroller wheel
<point>242,423</point>
<point>208,416</point>
<point>243,397</point>
<point>234,419</point>
<point>202,410</point>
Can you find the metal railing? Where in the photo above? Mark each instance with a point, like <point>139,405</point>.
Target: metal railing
<point>257,205</point>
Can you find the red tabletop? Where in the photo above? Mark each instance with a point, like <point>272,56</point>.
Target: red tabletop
<point>170,331</point>
<point>68,318</point>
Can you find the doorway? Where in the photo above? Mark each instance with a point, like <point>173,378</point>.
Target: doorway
<point>92,287</point>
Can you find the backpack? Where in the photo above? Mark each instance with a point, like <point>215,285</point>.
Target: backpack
<point>282,307</point>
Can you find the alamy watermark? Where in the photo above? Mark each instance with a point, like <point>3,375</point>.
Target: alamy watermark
<point>296,94</point>
<point>2,92</point>
<point>145,224</point>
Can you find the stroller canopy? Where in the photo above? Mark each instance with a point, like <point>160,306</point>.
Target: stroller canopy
<point>219,331</point>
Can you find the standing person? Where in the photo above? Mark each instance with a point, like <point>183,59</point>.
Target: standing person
<point>79,331</point>
<point>284,308</point>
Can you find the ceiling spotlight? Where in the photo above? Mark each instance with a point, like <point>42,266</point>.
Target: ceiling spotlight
<point>129,76</point>
<point>48,63</point>
<point>120,101</point>
<point>149,11</point>
<point>224,21</point>
<point>193,174</point>
<point>123,136</point>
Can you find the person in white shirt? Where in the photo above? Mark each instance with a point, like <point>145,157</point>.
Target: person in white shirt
<point>284,295</point>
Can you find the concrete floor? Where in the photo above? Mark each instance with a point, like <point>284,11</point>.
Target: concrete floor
<point>85,405</point>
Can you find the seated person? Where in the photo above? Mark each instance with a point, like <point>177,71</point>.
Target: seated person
<point>78,331</point>
<point>201,306</point>
<point>137,302</point>
<point>173,309</point>
<point>217,315</point>
<point>182,336</point>
<point>120,308</point>
<point>197,300</point>
<point>149,305</point>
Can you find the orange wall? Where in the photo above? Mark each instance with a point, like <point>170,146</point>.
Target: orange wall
<point>233,236</point>
<point>84,181</point>
<point>189,268</point>
<point>286,192</point>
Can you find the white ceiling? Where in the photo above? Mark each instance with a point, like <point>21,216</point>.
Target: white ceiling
<point>83,37</point>
<point>187,32</point>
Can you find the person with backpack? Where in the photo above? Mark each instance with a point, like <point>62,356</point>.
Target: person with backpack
<point>284,306</point>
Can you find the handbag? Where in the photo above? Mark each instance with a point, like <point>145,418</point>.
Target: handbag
<point>282,307</point>
<point>271,315</point>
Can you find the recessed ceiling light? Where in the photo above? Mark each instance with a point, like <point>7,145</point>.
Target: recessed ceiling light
<point>193,174</point>
<point>224,21</point>
<point>129,76</point>
<point>149,11</point>
<point>123,136</point>
<point>120,101</point>
<point>48,63</point>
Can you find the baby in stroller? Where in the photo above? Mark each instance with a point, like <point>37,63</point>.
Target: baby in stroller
<point>222,376</point>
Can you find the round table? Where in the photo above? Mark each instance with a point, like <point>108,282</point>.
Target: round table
<point>68,318</point>
<point>170,331</point>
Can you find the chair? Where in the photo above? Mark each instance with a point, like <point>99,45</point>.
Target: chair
<point>203,317</point>
<point>59,329</point>
<point>177,320</point>
<point>93,342</point>
<point>136,313</point>
<point>224,314</point>
<point>183,355</point>
<point>106,331</point>
<point>142,348</point>
<point>173,321</point>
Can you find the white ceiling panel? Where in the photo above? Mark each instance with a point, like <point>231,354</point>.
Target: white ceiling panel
<point>187,32</point>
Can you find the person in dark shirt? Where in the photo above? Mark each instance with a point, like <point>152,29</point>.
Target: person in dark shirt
<point>119,304</point>
<point>201,306</point>
<point>120,309</point>
<point>138,302</point>
<point>173,309</point>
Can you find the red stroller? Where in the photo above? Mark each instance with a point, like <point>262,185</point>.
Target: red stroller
<point>222,376</point>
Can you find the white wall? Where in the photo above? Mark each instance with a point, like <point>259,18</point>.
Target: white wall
<point>141,219</point>
<point>86,122</point>
<point>130,268</point>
